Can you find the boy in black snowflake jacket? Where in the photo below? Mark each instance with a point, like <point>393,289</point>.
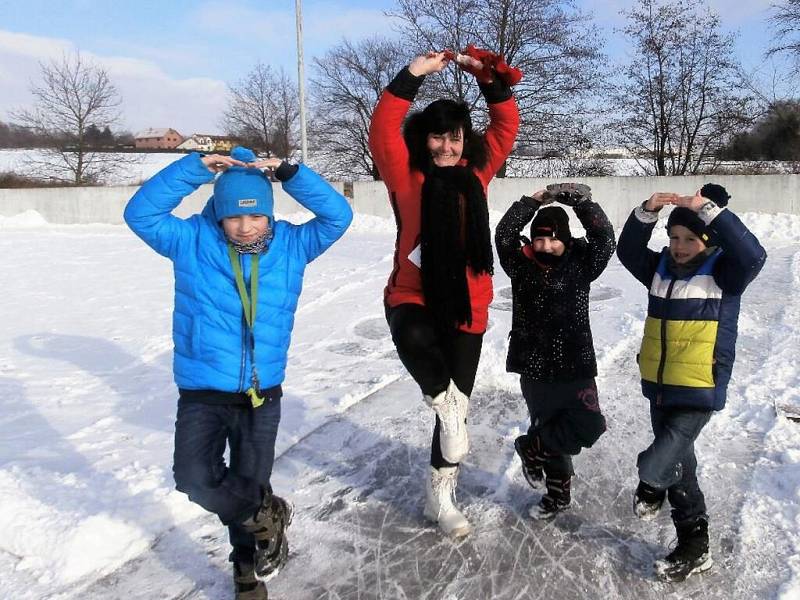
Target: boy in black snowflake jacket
<point>551,340</point>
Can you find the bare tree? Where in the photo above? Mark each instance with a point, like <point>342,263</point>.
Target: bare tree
<point>785,21</point>
<point>263,110</point>
<point>73,96</point>
<point>681,97</point>
<point>554,44</point>
<point>347,82</point>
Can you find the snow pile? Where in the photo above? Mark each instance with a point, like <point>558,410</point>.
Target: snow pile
<point>29,218</point>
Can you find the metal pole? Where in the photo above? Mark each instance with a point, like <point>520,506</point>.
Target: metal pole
<point>301,81</point>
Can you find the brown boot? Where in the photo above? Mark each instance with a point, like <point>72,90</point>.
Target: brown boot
<point>268,526</point>
<point>246,586</point>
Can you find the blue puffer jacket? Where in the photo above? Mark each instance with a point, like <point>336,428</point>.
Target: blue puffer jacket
<point>208,326</point>
<point>689,343</point>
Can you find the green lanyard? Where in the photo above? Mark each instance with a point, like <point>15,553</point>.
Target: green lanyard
<point>249,304</point>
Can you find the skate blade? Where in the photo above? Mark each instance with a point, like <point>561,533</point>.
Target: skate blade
<point>663,573</point>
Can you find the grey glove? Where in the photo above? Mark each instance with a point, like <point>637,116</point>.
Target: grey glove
<point>570,194</point>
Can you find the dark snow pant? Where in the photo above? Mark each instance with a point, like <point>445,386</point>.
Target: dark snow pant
<point>566,417</point>
<point>669,463</point>
<point>433,359</point>
<point>234,492</point>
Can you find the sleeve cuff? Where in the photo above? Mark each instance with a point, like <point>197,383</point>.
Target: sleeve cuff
<point>645,216</point>
<point>285,171</point>
<point>709,211</point>
<point>496,91</point>
<point>405,85</point>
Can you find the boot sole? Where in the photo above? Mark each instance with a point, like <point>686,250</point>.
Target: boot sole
<point>272,574</point>
<point>457,533</point>
<point>546,516</point>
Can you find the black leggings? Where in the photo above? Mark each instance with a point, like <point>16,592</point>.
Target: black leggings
<point>434,359</point>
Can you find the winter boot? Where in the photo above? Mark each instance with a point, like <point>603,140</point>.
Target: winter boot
<point>451,407</point>
<point>556,499</point>
<point>647,501</point>
<point>439,502</point>
<point>529,449</point>
<point>246,586</point>
<point>268,526</point>
<point>691,555</point>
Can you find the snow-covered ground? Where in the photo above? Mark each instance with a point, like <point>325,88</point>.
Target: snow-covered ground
<point>87,407</point>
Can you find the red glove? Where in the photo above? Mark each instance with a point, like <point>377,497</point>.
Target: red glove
<point>491,65</point>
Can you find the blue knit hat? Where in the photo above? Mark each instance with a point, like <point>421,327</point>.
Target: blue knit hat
<point>242,190</point>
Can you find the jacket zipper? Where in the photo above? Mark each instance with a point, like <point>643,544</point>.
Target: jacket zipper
<point>663,359</point>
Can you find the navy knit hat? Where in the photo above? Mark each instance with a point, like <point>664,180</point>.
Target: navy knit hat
<point>242,190</point>
<point>681,215</point>
<point>553,222</point>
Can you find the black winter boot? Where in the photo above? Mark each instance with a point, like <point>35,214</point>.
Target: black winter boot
<point>691,555</point>
<point>556,499</point>
<point>529,449</point>
<point>268,526</point>
<point>647,501</point>
<point>246,586</point>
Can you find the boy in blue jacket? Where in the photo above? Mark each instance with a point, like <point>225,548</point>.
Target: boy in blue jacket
<point>688,350</point>
<point>238,277</point>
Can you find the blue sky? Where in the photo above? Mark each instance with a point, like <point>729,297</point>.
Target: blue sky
<point>171,60</point>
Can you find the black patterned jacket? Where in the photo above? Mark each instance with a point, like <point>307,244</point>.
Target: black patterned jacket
<point>550,338</point>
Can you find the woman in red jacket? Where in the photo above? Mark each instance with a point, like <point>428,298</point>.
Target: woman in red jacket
<point>437,170</point>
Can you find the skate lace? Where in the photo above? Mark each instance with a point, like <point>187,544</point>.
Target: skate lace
<point>444,486</point>
<point>449,414</point>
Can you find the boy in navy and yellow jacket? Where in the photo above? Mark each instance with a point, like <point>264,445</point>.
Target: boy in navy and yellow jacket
<point>686,358</point>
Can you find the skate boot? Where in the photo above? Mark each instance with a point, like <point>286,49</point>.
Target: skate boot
<point>690,556</point>
<point>268,526</point>
<point>556,498</point>
<point>451,407</point>
<point>246,586</point>
<point>529,450</point>
<point>440,502</point>
<point>647,501</point>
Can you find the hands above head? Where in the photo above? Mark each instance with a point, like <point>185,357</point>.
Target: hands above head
<point>266,163</point>
<point>691,202</point>
<point>217,163</point>
<point>537,199</point>
<point>570,194</point>
<point>432,62</point>
<point>659,200</point>
<point>473,66</point>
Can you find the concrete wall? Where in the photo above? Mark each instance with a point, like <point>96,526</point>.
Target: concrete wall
<point>106,204</point>
<point>618,195</point>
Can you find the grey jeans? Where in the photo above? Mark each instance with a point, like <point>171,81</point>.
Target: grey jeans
<point>669,463</point>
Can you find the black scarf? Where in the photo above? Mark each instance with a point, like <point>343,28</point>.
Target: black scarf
<point>454,234</point>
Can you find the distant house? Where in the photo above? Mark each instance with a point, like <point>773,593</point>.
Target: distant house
<point>158,139</point>
<point>202,142</point>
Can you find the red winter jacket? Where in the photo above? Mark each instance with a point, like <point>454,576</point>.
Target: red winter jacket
<point>390,154</point>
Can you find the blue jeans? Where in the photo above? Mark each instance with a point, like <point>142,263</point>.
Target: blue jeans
<point>669,463</point>
<point>233,492</point>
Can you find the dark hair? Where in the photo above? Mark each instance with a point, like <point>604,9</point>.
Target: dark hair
<point>442,116</point>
